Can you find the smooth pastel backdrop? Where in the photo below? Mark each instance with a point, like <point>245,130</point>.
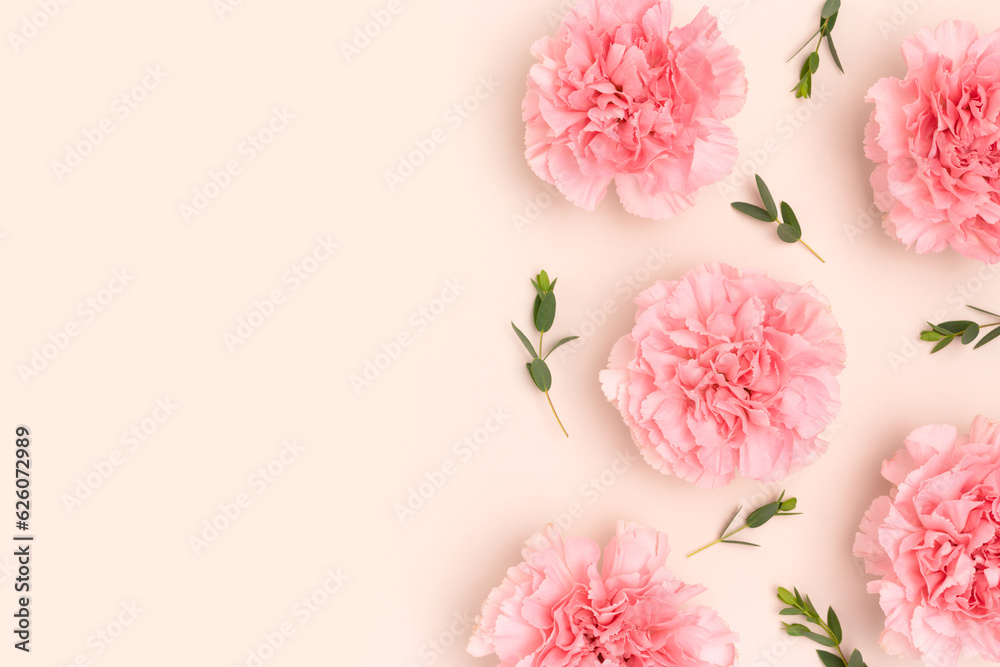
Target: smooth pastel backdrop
<point>459,238</point>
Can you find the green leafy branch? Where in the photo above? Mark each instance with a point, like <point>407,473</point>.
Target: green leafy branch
<point>964,330</point>
<point>544,314</point>
<point>828,18</point>
<point>833,634</point>
<point>789,229</point>
<point>757,518</point>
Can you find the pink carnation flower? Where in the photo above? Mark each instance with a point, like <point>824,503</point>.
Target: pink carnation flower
<point>559,609</point>
<point>934,543</point>
<point>934,136</point>
<point>728,371</point>
<point>618,95</point>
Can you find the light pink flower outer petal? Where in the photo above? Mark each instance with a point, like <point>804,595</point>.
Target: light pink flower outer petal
<point>629,611</point>
<point>934,544</point>
<point>618,95</point>
<point>727,372</point>
<point>933,136</point>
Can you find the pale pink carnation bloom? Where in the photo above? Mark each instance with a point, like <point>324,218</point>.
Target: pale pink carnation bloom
<point>558,608</point>
<point>618,95</point>
<point>727,372</point>
<point>934,137</point>
<point>934,543</point>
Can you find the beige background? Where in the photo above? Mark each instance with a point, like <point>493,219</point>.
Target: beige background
<point>447,240</point>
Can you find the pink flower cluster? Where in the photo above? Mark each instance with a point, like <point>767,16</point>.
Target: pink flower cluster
<point>934,543</point>
<point>619,95</point>
<point>935,136</point>
<point>728,371</point>
<point>559,609</point>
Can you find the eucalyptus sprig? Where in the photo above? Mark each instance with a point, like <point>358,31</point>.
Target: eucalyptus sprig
<point>964,330</point>
<point>833,634</point>
<point>757,518</point>
<point>828,18</point>
<point>544,314</point>
<point>789,229</point>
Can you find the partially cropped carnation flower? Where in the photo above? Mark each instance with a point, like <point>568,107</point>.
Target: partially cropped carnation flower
<point>618,95</point>
<point>934,136</point>
<point>727,372</point>
<point>558,608</point>
<point>934,543</point>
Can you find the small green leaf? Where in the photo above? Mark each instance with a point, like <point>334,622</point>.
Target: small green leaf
<point>762,515</point>
<point>829,24</point>
<point>788,216</point>
<point>987,338</point>
<point>833,52</point>
<point>753,211</point>
<point>945,342</point>
<point>545,313</point>
<point>726,529</point>
<point>813,62</point>
<point>956,326</point>
<point>829,659</point>
<point>986,312</point>
<point>765,196</point>
<point>786,596</point>
<point>856,659</point>
<point>540,373</point>
<point>789,505</point>
<point>796,630</point>
<point>561,343</point>
<point>971,334</point>
<point>525,341</point>
<point>930,335</point>
<point>810,608</point>
<point>806,69</point>
<point>790,612</point>
<point>943,332</point>
<point>788,233</point>
<point>822,640</point>
<point>543,281</point>
<point>537,287</point>
<point>748,544</point>
<point>830,8</point>
<point>834,623</point>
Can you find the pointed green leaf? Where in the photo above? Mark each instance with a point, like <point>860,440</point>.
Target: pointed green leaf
<point>553,285</point>
<point>987,338</point>
<point>796,630</point>
<point>930,335</point>
<point>789,234</point>
<point>937,328</point>
<point>945,342</point>
<point>726,529</point>
<point>955,326</point>
<point>834,623</point>
<point>539,371</point>
<point>537,287</point>
<point>812,62</point>
<point>543,281</point>
<point>788,216</point>
<point>765,196</point>
<point>748,544</point>
<point>561,343</point>
<point>829,659</point>
<point>545,313</point>
<point>985,312</point>
<point>525,341</point>
<point>829,23</point>
<point>971,334</point>
<point>833,52</point>
<point>822,640</point>
<point>790,612</point>
<point>753,211</point>
<point>786,596</point>
<point>856,659</point>
<point>762,515</point>
<point>789,505</point>
<point>830,8</point>
<point>810,608</point>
